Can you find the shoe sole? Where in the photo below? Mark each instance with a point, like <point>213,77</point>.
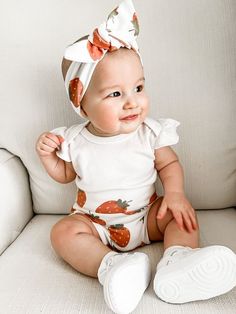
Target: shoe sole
<point>125,284</point>
<point>203,275</point>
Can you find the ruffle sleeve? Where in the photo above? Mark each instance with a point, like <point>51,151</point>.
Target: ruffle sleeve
<point>64,152</point>
<point>165,133</point>
<point>68,134</point>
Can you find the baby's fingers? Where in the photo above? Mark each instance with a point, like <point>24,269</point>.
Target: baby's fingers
<point>58,139</point>
<point>162,210</point>
<point>192,216</point>
<point>187,222</point>
<point>179,219</point>
<point>50,144</point>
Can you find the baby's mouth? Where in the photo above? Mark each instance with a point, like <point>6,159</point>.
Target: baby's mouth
<point>130,117</point>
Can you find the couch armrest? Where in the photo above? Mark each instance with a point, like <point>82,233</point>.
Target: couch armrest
<point>15,198</point>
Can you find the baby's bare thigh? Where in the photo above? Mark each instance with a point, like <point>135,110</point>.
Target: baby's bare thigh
<point>156,227</point>
<point>75,224</point>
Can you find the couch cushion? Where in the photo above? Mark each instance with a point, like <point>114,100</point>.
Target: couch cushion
<point>190,73</point>
<point>35,280</point>
<point>15,198</point>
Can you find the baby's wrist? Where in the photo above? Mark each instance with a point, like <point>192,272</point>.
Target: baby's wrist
<point>179,192</point>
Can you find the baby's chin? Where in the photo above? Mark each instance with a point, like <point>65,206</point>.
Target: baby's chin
<point>129,128</point>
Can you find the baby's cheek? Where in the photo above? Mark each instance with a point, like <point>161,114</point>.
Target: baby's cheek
<point>108,119</point>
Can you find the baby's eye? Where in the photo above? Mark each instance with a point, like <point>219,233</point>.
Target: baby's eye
<point>114,94</point>
<point>139,88</point>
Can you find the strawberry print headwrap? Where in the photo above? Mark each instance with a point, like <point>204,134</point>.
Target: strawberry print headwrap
<point>119,30</point>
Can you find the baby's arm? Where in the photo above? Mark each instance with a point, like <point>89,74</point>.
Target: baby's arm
<point>171,174</point>
<point>46,147</point>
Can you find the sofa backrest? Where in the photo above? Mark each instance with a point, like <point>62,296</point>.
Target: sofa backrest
<point>188,49</point>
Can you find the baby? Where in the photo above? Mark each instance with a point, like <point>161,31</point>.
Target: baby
<point>114,158</point>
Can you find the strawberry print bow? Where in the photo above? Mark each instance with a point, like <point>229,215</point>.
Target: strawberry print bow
<point>119,30</point>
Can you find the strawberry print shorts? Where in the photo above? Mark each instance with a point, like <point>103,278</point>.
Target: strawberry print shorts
<point>121,232</point>
<point>125,237</point>
<point>118,227</point>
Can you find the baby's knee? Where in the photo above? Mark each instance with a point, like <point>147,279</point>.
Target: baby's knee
<point>58,233</point>
<point>65,230</point>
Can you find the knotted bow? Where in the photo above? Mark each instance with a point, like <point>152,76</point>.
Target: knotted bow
<point>120,30</point>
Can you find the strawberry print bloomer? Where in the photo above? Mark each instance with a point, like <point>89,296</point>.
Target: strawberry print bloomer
<point>116,177</point>
<point>109,219</point>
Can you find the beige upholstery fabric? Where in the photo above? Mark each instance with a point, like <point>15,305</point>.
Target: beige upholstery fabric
<point>15,198</point>
<point>34,280</point>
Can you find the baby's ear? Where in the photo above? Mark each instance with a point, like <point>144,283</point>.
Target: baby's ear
<point>82,111</point>
<point>65,66</point>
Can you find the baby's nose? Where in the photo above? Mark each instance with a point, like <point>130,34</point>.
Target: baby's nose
<point>130,103</point>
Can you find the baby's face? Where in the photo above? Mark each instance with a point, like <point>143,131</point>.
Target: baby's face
<point>116,101</point>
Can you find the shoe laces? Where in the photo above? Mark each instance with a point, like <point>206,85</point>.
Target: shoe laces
<point>108,264</point>
<point>114,259</point>
<point>176,255</point>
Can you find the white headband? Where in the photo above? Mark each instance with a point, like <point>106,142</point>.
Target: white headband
<point>120,30</point>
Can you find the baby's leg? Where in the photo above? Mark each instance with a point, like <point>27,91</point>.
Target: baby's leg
<point>77,241</point>
<point>186,272</point>
<point>166,229</point>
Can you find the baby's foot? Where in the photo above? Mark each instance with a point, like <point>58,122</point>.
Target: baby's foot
<point>186,274</point>
<point>124,277</point>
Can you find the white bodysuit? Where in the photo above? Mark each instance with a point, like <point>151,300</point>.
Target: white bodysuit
<point>116,178</point>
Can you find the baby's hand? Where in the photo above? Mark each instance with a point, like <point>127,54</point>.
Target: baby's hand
<point>48,143</point>
<point>181,209</point>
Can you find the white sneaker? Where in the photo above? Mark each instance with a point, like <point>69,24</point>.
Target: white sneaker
<point>185,274</point>
<point>124,277</point>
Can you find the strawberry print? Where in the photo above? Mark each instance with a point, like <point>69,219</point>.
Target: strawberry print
<point>96,219</point>
<point>113,207</point>
<point>75,91</point>
<point>95,52</point>
<point>81,198</point>
<point>99,41</point>
<point>119,234</point>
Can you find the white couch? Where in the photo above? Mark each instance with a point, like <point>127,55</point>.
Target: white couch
<point>189,54</point>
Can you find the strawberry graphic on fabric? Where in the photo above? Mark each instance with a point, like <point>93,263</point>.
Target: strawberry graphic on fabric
<point>119,234</point>
<point>99,41</point>
<point>81,198</point>
<point>75,90</point>
<point>113,207</point>
<point>96,219</point>
<point>95,52</point>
